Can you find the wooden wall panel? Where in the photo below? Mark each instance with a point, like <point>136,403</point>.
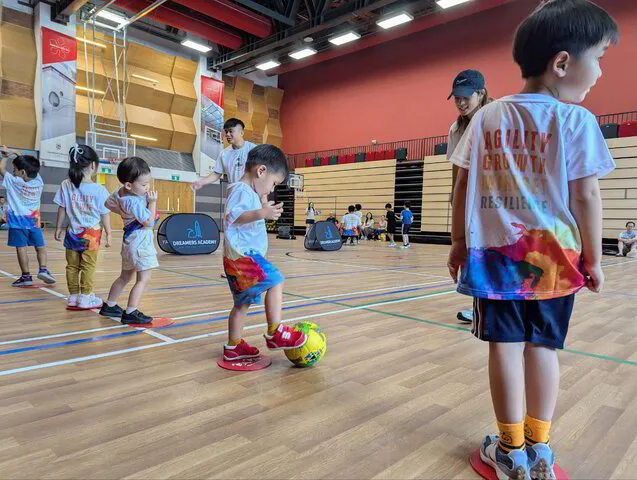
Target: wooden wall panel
<point>153,91</point>
<point>335,187</point>
<point>150,123</point>
<point>184,135</point>
<point>258,107</point>
<point>436,210</point>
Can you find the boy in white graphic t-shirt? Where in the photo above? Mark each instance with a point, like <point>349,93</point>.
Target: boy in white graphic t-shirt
<point>232,161</point>
<point>527,223</point>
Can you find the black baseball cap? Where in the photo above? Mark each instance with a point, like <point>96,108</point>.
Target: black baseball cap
<point>466,84</point>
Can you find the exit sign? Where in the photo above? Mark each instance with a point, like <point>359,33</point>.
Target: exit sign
<point>175,178</point>
<point>106,170</point>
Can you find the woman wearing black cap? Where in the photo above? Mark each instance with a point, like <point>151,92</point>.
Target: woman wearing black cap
<point>470,94</point>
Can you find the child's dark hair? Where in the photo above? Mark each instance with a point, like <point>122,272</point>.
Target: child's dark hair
<point>351,209</point>
<point>388,205</point>
<point>233,122</point>
<point>269,156</point>
<point>407,204</point>
<point>573,26</point>
<point>28,163</point>
<point>81,157</point>
<point>627,223</point>
<point>131,169</point>
<point>358,206</point>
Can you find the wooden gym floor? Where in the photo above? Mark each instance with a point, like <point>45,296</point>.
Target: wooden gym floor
<point>402,392</point>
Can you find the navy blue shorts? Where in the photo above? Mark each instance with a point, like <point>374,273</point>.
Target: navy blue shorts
<point>26,237</point>
<point>541,322</point>
<point>406,228</point>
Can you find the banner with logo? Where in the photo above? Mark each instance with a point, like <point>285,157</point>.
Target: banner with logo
<point>57,82</point>
<point>188,234</point>
<point>211,133</point>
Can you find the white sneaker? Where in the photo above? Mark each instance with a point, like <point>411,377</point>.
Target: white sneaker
<point>89,301</point>
<point>392,245</point>
<point>71,301</point>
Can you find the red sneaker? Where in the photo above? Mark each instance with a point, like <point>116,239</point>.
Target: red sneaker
<point>285,338</point>
<point>242,351</point>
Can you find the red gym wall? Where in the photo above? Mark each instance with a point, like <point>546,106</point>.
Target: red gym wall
<point>398,90</point>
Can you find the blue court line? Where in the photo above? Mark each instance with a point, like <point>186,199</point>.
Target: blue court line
<point>208,320</point>
<point>71,342</point>
<point>220,284</point>
<point>42,299</point>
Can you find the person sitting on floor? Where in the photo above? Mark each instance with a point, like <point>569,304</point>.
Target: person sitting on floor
<point>627,242</point>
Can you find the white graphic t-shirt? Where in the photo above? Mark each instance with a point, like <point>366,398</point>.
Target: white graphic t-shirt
<point>23,201</point>
<point>522,240</point>
<point>246,237</point>
<point>350,221</point>
<point>232,162</point>
<point>84,205</point>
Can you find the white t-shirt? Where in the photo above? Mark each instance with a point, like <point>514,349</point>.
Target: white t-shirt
<point>522,239</point>
<point>311,214</point>
<point>232,162</point>
<point>133,209</point>
<point>350,221</point>
<point>246,237</point>
<point>84,205</point>
<point>453,138</point>
<point>23,201</point>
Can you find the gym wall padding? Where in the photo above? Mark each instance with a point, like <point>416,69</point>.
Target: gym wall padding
<point>372,184</point>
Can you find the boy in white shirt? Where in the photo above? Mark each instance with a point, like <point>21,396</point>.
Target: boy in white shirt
<point>351,225</point>
<point>248,272</point>
<point>627,242</point>
<point>3,213</point>
<point>527,223</point>
<point>24,190</point>
<point>137,206</point>
<point>232,160</point>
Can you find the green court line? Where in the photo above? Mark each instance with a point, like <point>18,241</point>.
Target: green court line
<point>463,329</point>
<point>420,320</point>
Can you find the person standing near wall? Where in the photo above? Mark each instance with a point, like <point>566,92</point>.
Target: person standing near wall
<point>470,94</point>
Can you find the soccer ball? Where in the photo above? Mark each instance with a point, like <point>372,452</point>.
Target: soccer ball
<point>313,350</point>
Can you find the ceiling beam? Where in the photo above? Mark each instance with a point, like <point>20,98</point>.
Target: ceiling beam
<point>231,14</point>
<point>333,18</point>
<point>267,12</point>
<point>60,12</point>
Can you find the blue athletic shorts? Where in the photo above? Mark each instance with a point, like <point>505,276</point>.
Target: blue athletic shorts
<point>541,322</point>
<point>23,237</point>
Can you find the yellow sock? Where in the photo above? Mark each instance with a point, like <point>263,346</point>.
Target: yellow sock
<point>272,328</point>
<point>511,436</point>
<point>536,431</point>
<point>235,342</point>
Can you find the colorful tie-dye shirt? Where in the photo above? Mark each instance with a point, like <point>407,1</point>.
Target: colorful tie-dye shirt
<point>84,207</point>
<point>23,201</point>
<point>522,239</point>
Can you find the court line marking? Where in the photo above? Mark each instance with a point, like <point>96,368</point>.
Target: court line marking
<point>197,322</point>
<point>206,335</point>
<point>159,336</point>
<point>184,317</point>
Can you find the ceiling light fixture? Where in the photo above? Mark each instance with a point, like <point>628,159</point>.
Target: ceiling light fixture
<point>113,17</point>
<point>268,65</point>
<point>450,3</point>
<point>196,46</point>
<point>345,38</point>
<point>306,52</point>
<point>394,20</point>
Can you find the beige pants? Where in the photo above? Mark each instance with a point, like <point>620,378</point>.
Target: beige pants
<point>80,270</point>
